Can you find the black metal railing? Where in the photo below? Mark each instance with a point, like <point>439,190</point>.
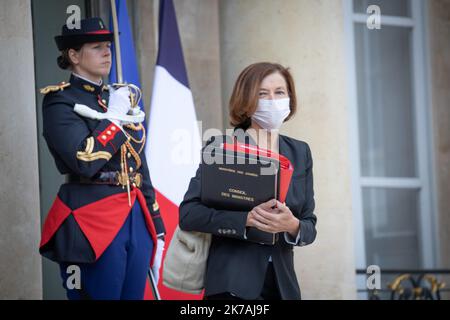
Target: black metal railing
<point>404,284</point>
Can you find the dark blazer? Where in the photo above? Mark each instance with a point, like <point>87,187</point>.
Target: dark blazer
<point>238,266</point>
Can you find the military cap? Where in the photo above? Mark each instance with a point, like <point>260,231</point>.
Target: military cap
<point>91,30</point>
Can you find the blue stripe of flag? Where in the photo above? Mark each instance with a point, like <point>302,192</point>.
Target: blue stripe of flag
<point>129,64</point>
<point>170,54</point>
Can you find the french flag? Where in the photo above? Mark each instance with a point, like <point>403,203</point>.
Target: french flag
<point>173,146</point>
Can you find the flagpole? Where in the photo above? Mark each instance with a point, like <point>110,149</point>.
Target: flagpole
<point>154,285</point>
<point>135,96</point>
<point>116,42</point>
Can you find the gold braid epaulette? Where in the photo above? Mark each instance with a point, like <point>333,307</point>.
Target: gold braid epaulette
<point>55,87</point>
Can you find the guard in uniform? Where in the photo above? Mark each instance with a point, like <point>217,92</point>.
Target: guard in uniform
<point>105,220</point>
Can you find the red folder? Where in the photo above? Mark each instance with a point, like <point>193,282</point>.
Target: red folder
<point>286,168</point>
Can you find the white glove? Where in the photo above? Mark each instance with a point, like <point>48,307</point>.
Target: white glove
<point>85,111</point>
<point>136,111</point>
<point>138,114</point>
<point>158,258</point>
<point>119,103</point>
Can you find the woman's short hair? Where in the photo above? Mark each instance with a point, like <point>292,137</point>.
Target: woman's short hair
<point>63,60</point>
<point>245,95</point>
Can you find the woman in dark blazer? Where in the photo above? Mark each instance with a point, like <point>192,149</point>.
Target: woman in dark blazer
<point>262,99</point>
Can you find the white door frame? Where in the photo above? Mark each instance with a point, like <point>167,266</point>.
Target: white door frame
<point>424,142</point>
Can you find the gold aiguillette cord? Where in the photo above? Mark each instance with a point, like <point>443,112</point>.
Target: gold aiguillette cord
<point>124,173</point>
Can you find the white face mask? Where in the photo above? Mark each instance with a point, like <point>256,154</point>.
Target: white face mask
<point>270,114</point>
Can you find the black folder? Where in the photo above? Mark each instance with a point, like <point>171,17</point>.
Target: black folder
<point>238,181</point>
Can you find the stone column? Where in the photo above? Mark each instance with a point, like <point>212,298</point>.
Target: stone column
<point>20,267</point>
<point>439,35</point>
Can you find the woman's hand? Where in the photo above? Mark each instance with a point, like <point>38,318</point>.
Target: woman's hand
<point>273,216</point>
<point>119,100</point>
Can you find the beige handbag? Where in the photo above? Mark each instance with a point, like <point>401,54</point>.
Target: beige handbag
<point>185,261</point>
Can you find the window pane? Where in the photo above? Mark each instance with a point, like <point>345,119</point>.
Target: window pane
<point>391,227</point>
<point>387,7</point>
<point>385,104</point>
